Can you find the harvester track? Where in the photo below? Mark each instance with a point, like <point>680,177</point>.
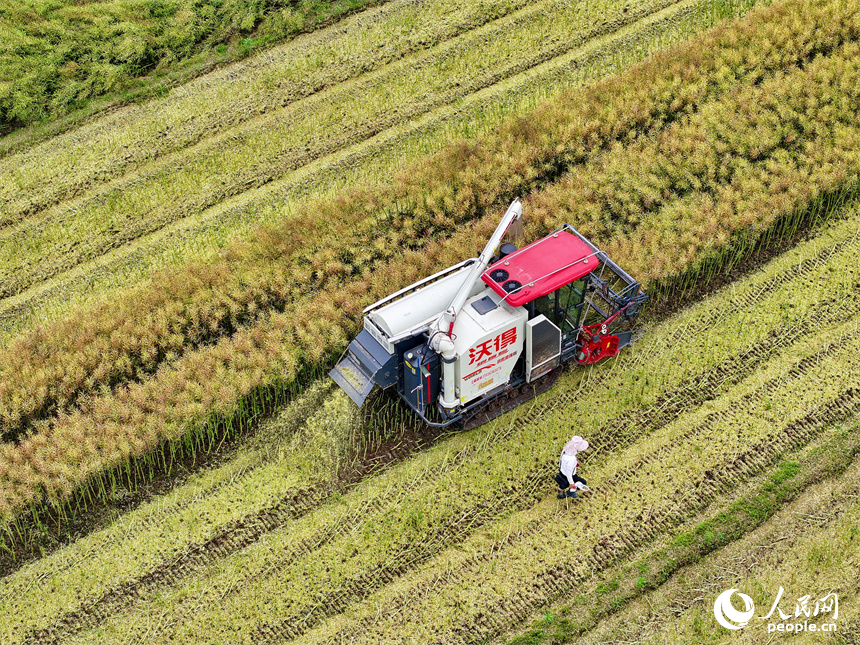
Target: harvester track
<point>509,400</point>
<point>454,531</point>
<point>232,121</point>
<point>196,556</point>
<point>781,531</point>
<point>237,535</point>
<point>646,526</point>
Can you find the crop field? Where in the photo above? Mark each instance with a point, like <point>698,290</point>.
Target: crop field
<point>444,543</point>
<point>163,184</point>
<point>218,342</point>
<point>177,277</point>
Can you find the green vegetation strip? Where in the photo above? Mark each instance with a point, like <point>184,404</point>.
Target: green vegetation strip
<point>58,56</point>
<point>370,161</point>
<point>518,450</point>
<point>811,546</point>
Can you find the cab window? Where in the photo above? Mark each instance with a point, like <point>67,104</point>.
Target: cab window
<point>563,306</point>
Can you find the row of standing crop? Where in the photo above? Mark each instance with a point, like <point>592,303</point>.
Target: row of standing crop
<point>732,169</point>
<point>369,161</point>
<point>231,378</point>
<point>129,338</point>
<point>153,332</point>
<point>366,162</point>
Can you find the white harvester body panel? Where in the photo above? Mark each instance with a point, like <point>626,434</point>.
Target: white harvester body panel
<point>487,345</point>
<point>417,309</point>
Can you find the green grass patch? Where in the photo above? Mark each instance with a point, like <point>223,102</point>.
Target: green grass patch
<point>58,56</point>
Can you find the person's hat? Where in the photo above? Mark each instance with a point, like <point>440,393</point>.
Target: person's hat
<point>575,445</point>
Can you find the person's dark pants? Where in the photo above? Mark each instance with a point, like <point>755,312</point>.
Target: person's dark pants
<point>562,482</point>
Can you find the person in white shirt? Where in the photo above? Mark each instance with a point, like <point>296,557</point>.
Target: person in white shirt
<point>567,479</point>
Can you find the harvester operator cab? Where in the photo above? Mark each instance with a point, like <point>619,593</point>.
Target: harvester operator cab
<point>576,287</point>
<point>564,308</point>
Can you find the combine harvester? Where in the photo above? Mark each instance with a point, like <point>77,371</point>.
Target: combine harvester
<point>489,333</point>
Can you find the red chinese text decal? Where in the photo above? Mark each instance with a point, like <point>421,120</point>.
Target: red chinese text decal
<point>493,346</point>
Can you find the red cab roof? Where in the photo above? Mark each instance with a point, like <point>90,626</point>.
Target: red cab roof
<point>540,268</point>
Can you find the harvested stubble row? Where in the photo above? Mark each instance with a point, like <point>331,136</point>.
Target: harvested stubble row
<point>810,546</point>
<point>519,450</point>
<point>269,146</point>
<point>291,548</point>
<point>117,208</point>
<point>110,344</point>
<point>223,166</point>
<point>119,143</point>
<point>290,458</point>
<point>203,235</point>
<point>186,394</point>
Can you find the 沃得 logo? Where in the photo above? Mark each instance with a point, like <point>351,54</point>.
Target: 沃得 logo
<point>727,615</point>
